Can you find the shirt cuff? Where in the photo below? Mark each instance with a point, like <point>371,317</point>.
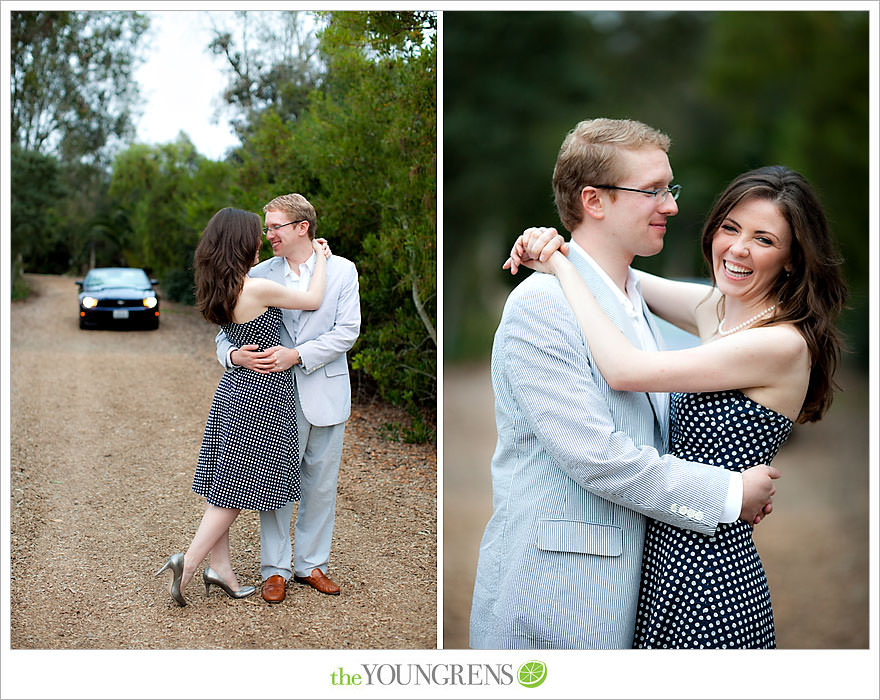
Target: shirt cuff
<point>733,504</point>
<point>229,362</point>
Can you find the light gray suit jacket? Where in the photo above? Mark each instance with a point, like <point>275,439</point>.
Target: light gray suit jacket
<point>576,469</point>
<point>323,339</point>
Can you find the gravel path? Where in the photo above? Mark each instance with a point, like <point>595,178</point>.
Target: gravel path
<point>105,429</point>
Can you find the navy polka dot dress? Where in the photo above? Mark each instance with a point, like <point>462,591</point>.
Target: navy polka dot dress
<point>710,592</point>
<point>250,453</point>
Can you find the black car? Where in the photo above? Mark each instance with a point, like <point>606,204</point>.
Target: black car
<point>118,296</point>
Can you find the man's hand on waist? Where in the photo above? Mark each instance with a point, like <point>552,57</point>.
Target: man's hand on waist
<point>284,358</point>
<point>249,357</point>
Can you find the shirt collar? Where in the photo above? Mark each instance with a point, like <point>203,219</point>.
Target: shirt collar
<point>309,265</point>
<point>632,299</point>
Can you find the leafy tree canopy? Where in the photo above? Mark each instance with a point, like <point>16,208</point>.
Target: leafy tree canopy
<point>72,87</point>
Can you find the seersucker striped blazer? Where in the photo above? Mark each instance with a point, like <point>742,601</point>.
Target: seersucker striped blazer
<point>576,469</point>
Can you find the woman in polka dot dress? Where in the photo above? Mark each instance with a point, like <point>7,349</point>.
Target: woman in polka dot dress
<point>249,456</point>
<point>768,353</point>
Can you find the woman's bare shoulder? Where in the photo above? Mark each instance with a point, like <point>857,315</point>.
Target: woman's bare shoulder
<point>782,341</point>
<point>257,285</point>
<point>257,282</point>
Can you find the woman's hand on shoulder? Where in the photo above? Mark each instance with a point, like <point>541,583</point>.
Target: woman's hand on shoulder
<point>534,244</point>
<point>321,246</point>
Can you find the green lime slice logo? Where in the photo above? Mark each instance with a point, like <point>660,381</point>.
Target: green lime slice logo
<point>531,674</point>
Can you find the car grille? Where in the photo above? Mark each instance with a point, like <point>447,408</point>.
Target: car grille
<point>121,303</point>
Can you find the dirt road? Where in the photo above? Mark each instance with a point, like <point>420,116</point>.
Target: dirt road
<point>814,546</point>
<point>105,429</point>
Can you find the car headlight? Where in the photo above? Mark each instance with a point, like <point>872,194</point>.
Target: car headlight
<point>150,302</point>
<point>89,302</point>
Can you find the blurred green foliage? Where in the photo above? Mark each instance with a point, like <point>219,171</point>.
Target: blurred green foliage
<point>357,138</point>
<point>734,90</point>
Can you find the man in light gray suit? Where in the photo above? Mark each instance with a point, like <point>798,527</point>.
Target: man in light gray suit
<point>314,347</point>
<point>578,466</point>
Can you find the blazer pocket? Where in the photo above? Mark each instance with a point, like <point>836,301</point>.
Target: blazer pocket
<point>337,367</point>
<point>579,537</point>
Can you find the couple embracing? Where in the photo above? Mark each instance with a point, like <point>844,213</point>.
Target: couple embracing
<point>275,428</point>
<point>620,518</point>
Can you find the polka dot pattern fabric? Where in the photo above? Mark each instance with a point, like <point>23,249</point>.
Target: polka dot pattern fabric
<point>710,592</point>
<point>249,456</point>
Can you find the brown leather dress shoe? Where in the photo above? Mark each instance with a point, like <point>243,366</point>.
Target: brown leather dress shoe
<point>319,582</point>
<point>273,589</point>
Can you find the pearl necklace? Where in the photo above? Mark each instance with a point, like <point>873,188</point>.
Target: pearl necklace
<point>744,324</point>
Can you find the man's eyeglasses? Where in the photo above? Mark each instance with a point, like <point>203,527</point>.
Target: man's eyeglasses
<point>658,195</point>
<point>266,229</point>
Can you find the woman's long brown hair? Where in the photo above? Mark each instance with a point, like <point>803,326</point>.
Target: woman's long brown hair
<point>812,296</point>
<point>223,257</point>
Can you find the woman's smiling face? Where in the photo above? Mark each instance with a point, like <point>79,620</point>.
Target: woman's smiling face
<point>750,249</point>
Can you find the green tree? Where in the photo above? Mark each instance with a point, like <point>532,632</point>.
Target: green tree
<point>36,190</point>
<point>269,162</point>
<point>72,100</point>
<point>72,81</point>
<point>370,139</point>
<point>168,193</point>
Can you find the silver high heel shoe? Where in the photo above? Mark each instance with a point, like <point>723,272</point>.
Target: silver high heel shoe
<point>175,563</point>
<point>211,577</point>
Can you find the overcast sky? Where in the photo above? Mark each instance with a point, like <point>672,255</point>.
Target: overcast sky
<point>181,84</point>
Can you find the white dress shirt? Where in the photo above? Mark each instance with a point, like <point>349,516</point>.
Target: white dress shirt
<point>299,279</point>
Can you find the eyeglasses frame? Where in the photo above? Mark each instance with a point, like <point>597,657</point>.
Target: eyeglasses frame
<point>674,190</point>
<point>266,229</point>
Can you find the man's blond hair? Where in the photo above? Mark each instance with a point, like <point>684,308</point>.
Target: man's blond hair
<point>298,207</point>
<point>589,156</point>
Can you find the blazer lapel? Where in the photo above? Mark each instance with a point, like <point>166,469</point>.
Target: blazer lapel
<point>612,308</point>
<point>609,303</point>
<point>655,397</point>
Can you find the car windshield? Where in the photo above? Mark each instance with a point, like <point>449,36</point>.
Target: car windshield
<point>122,277</point>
